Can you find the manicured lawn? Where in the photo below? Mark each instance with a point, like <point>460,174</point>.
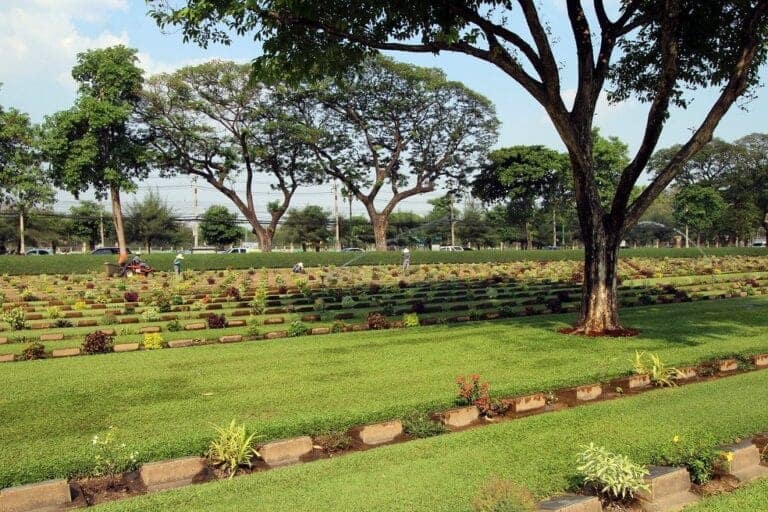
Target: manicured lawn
<point>442,474</point>
<point>752,498</point>
<point>165,401</point>
<point>81,263</point>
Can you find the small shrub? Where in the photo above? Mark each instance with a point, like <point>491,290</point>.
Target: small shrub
<point>177,300</point>
<point>53,313</point>
<point>418,307</point>
<point>411,320</point>
<point>377,321</point>
<point>98,343</point>
<point>79,305</point>
<point>499,495</point>
<point>470,389</point>
<point>215,321</point>
<point>34,350</point>
<point>232,448</point>
<point>233,293</point>
<point>150,314</point>
<point>420,425</point>
<point>15,318</point>
<point>698,458</point>
<point>153,341</point>
<point>62,323</point>
<point>347,302</point>
<point>613,476</point>
<point>174,326</point>
<point>297,328</point>
<point>338,326</point>
<point>108,320</point>
<point>112,456</point>
<point>319,305</point>
<point>651,364</point>
<point>253,331</point>
<point>333,441</point>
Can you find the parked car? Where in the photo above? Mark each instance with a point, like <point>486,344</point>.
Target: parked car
<point>38,252</point>
<point>352,249</point>
<point>236,250</point>
<point>451,248</point>
<point>101,251</point>
<point>203,250</point>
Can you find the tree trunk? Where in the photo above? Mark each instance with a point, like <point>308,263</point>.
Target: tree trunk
<point>22,244</point>
<point>528,239</point>
<point>554,229</point>
<point>380,223</point>
<point>117,217</point>
<point>265,239</point>
<point>599,303</point>
<point>765,226</point>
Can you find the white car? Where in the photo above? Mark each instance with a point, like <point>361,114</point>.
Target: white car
<point>236,250</point>
<point>451,248</point>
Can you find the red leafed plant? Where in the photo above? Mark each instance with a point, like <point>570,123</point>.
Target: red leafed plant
<point>474,392</point>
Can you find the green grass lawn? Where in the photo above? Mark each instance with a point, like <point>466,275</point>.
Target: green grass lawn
<point>752,498</point>
<point>443,474</point>
<point>81,263</point>
<point>165,401</point>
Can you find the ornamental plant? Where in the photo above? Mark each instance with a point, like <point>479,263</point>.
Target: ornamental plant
<point>377,321</point>
<point>417,424</point>
<point>15,319</point>
<point>153,341</point>
<point>696,455</point>
<point>652,365</point>
<point>34,350</point>
<point>232,448</point>
<point>98,343</point>
<point>131,297</point>
<point>150,314</point>
<point>215,321</point>
<point>612,476</point>
<point>411,320</point>
<point>499,495</point>
<point>333,441</point>
<point>297,328</point>
<point>111,456</point>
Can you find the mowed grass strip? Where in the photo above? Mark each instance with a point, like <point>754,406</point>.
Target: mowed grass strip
<point>751,498</point>
<point>443,474</point>
<point>165,401</point>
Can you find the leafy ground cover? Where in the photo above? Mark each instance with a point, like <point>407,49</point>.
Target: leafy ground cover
<point>165,401</point>
<point>79,263</point>
<point>752,498</point>
<point>442,474</point>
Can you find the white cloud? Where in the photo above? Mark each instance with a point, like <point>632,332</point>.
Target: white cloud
<point>41,38</point>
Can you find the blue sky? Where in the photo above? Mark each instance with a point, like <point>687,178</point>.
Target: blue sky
<point>39,40</point>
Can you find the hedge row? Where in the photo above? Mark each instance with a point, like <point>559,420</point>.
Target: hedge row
<point>79,263</point>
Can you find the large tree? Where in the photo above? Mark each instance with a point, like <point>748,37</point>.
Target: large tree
<point>97,143</point>
<point>151,221</point>
<point>213,121</point>
<point>86,222</point>
<point>219,226</point>
<point>308,226</point>
<point>389,127</point>
<point>658,51</point>
<point>752,172</point>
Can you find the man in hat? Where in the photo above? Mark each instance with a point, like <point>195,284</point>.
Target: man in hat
<point>177,264</point>
<point>406,260</point>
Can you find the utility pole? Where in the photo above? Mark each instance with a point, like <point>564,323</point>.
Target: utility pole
<point>196,224</point>
<point>336,213</point>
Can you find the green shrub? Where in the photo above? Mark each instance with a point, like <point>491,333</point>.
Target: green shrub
<point>499,495</point>
<point>34,350</point>
<point>150,314</point>
<point>253,331</point>
<point>53,313</point>
<point>347,302</point>
<point>232,448</point>
<point>411,320</point>
<point>319,305</point>
<point>338,326</point>
<point>15,319</point>
<point>651,365</point>
<point>613,476</point>
<point>297,328</point>
<point>62,323</point>
<point>98,343</point>
<point>112,457</point>
<point>174,326</point>
<point>698,457</point>
<point>108,320</point>
<point>153,341</point>
<point>418,424</point>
